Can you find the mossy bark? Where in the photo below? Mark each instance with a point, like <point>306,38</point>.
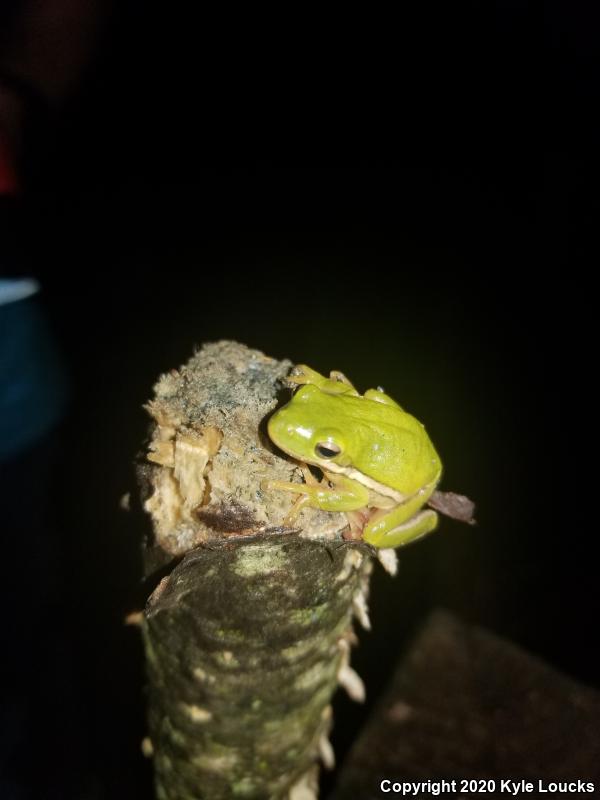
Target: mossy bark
<point>248,633</point>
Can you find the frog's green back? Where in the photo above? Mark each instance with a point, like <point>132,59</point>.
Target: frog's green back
<point>391,446</point>
<point>380,440</point>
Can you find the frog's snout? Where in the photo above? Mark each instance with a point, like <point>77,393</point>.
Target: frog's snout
<point>283,429</point>
<point>278,427</point>
<point>273,425</point>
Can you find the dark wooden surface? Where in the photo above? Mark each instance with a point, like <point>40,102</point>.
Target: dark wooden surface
<point>465,703</point>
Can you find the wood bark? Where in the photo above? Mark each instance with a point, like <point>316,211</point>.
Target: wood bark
<point>248,631</point>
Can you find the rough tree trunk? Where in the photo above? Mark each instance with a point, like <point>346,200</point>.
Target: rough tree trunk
<point>248,633</point>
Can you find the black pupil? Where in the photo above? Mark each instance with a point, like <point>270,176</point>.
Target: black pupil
<point>327,452</point>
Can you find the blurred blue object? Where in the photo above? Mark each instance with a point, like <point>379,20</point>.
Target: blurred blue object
<point>33,386</point>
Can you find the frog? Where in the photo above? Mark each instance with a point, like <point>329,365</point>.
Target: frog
<point>378,464</point>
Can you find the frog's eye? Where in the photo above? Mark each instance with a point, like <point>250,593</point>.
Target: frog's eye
<point>327,450</point>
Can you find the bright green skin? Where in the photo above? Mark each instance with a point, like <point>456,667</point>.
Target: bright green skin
<point>387,466</point>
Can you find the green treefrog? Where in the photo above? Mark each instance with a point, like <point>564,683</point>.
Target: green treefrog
<point>378,463</point>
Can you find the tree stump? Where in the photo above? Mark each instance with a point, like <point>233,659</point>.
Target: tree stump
<point>248,631</point>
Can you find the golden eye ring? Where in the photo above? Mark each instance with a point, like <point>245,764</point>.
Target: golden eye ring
<point>327,450</point>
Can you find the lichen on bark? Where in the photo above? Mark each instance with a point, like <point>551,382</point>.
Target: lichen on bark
<point>249,631</point>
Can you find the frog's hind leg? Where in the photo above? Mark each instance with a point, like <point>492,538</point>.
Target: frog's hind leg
<point>383,532</point>
<point>403,523</point>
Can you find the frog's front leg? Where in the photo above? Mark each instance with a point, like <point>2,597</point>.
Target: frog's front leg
<point>339,377</point>
<point>292,515</point>
<point>337,383</point>
<point>402,524</point>
<point>343,495</point>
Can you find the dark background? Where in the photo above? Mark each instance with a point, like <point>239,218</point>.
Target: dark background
<point>404,200</point>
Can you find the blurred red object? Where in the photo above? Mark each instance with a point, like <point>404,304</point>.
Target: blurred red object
<point>9,181</point>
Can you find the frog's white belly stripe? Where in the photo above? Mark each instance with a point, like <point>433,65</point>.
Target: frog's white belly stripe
<point>370,483</point>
